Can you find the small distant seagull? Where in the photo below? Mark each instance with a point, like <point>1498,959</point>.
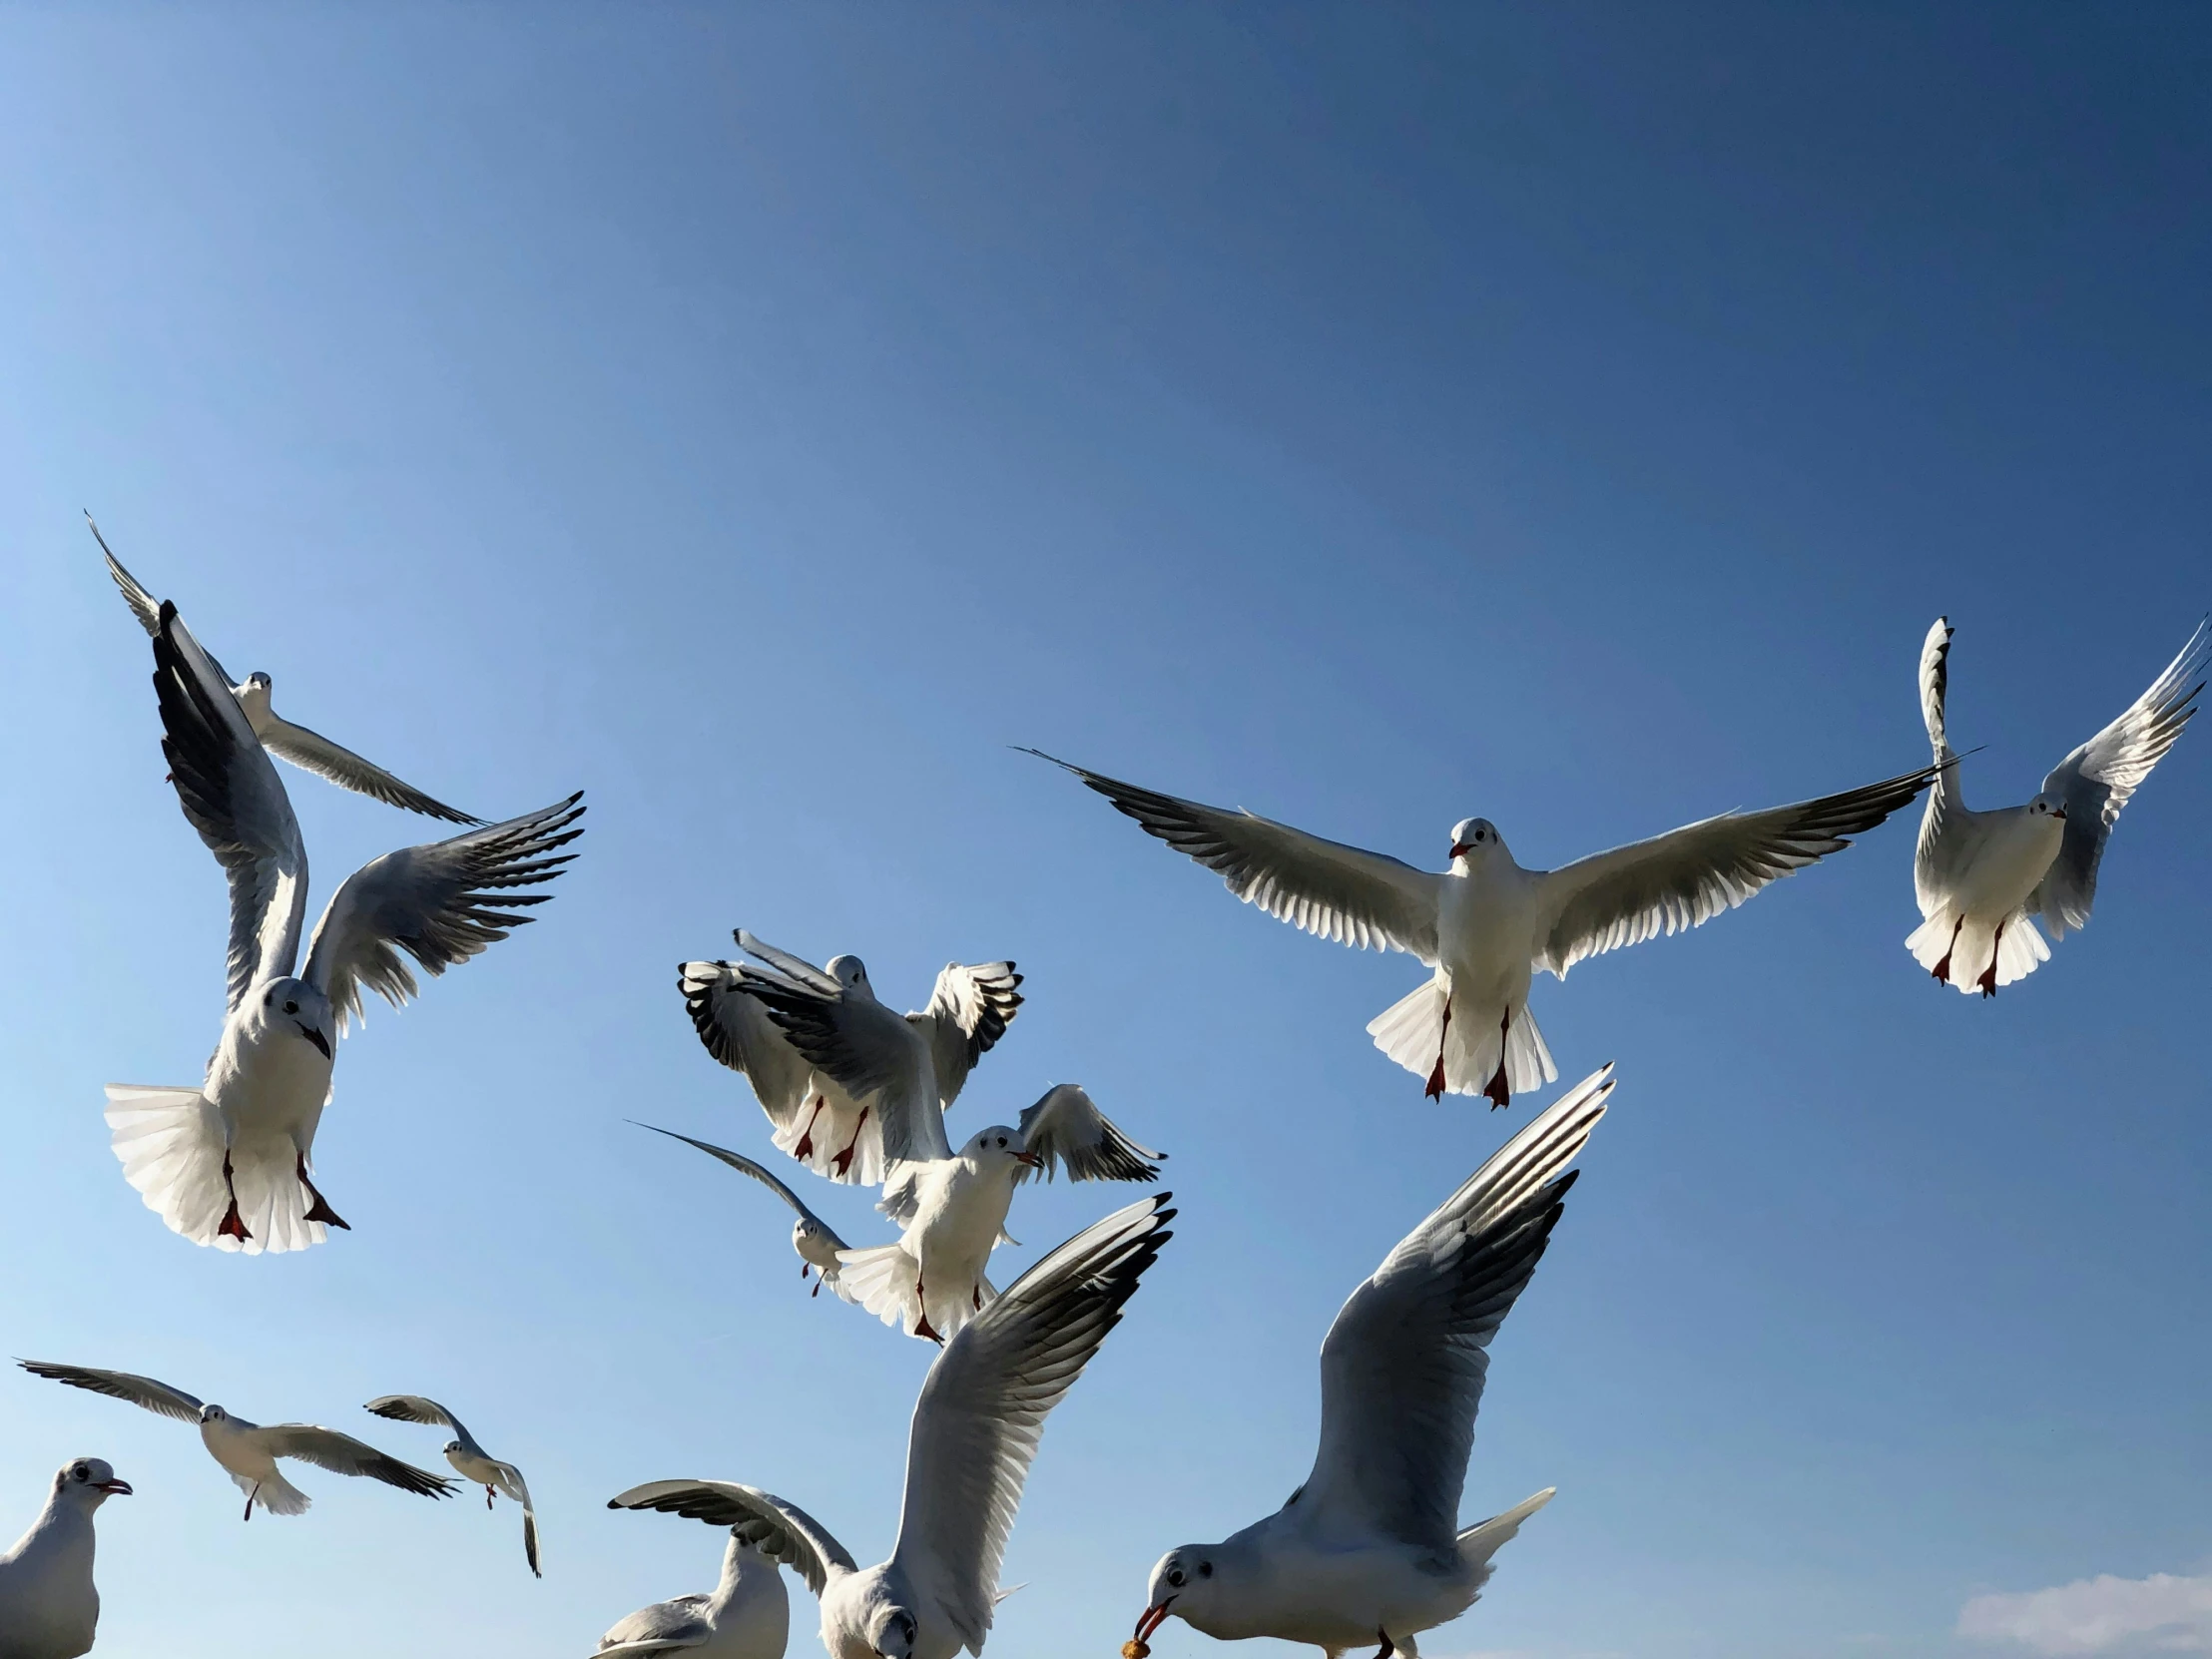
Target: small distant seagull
<point>951,1207</point>
<point>1487,925</point>
<point>1982,877</point>
<point>247,1450</point>
<point>835,1125</point>
<point>49,1607</point>
<point>476,1465</point>
<point>749,1615</point>
<point>976,1431</point>
<point>309,750</point>
<point>817,1242</point>
<point>225,1164</point>
<point>1370,1548</point>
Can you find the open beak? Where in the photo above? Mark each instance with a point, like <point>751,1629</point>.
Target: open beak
<point>1153,1618</point>
<point>116,1489</point>
<point>315,1037</point>
<point>1461,849</point>
<point>1031,1159</point>
<point>2060,813</point>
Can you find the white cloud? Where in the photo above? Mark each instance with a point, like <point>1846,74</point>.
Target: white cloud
<point>2101,1615</point>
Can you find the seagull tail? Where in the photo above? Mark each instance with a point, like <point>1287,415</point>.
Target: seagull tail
<point>1478,1543</point>
<point>885,1280</point>
<point>172,1147</point>
<point>1413,1033</point>
<point>2018,953</point>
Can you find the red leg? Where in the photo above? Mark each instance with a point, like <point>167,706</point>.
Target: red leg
<point>1988,979</point>
<point>320,1209</point>
<point>1942,969</point>
<point>487,1498</point>
<point>1387,1648</point>
<point>235,1228</point>
<point>806,1147</point>
<point>844,1160</point>
<point>922,1326</point>
<point>1497,1091</point>
<point>1436,1088</point>
<point>249,1497</point>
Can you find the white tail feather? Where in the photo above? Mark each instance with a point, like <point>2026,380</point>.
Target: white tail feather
<point>1478,1543</point>
<point>2018,953</point>
<point>887,1281</point>
<point>1413,1029</point>
<point>837,1125</point>
<point>275,1494</point>
<point>171,1144</point>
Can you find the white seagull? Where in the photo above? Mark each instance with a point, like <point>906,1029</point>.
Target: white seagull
<point>309,750</point>
<point>1982,877</point>
<point>836,1129</point>
<point>249,1451</point>
<point>817,1242</point>
<point>1486,925</point>
<point>1370,1548</point>
<point>976,1431</point>
<point>49,1607</point>
<point>749,1615</point>
<point>225,1164</point>
<point>476,1465</point>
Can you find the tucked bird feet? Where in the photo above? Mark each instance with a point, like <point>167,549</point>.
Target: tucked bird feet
<point>233,1228</point>
<point>1942,969</point>
<point>249,1497</point>
<point>844,1160</point>
<point>320,1209</point>
<point>487,1498</point>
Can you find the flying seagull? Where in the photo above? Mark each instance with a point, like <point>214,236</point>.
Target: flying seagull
<point>1486,925</point>
<point>249,1451</point>
<point>834,1128</point>
<point>976,1431</point>
<point>815,1241</point>
<point>227,1164</point>
<point>1982,877</point>
<point>749,1615</point>
<point>49,1607</point>
<point>476,1465</point>
<point>309,750</point>
<point>1370,1548</point>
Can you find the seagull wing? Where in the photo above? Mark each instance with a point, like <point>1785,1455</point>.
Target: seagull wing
<point>432,903</point>
<point>2101,777</point>
<point>983,1405</point>
<point>782,1531</point>
<point>866,1049</point>
<point>143,605</point>
<point>1947,840</point>
<point>1327,889</point>
<point>746,1166</point>
<point>326,1448</point>
<point>232,794</point>
<point>737,1031</point>
<point>121,1384</point>
<point>1403,1367</point>
<point>513,1484</point>
<point>1067,1127</point>
<point>1687,876</point>
<point>664,1627</point>
<point>313,751</point>
<point>417,1408</point>
<point>970,1010</point>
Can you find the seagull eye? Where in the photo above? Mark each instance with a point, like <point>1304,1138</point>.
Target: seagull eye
<point>80,1473</point>
<point>292,1007</point>
<point>1003,1140</point>
<point>1176,1578</point>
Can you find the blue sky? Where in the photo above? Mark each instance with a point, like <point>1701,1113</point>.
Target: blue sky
<point>763,418</point>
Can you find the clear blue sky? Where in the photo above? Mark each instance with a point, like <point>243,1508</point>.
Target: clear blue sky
<point>1373,416</point>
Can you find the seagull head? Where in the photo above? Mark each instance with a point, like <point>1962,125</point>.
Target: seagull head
<point>450,1447</point>
<point>296,1007</point>
<point>1474,838</point>
<point>89,1482</point>
<point>214,1414</point>
<point>1183,1583</point>
<point>892,1631</point>
<point>2050,804</point>
<point>851,973</point>
<point>999,1148</point>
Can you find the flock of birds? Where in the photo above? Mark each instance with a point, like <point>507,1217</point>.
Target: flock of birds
<point>1368,1549</point>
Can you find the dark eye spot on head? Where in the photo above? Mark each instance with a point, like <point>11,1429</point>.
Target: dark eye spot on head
<point>267,997</point>
<point>1206,1569</point>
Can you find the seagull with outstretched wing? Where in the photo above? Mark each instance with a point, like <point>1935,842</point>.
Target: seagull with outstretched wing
<point>1370,1548</point>
<point>976,1431</point>
<point>476,1465</point>
<point>248,1452</point>
<point>227,1164</point>
<point>817,1242</point>
<point>1486,925</point>
<point>1982,877</point>
<point>309,750</point>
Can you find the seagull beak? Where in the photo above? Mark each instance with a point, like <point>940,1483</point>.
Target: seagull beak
<point>1031,1159</point>
<point>1153,1618</point>
<point>116,1489</point>
<point>2058,812</point>
<point>1460,850</point>
<point>315,1037</point>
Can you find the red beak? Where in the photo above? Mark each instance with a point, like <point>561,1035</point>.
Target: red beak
<point>1031,1159</point>
<point>1153,1618</point>
<point>2059,814</point>
<point>1461,847</point>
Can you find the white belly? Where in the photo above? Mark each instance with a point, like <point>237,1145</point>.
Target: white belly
<point>268,1084</point>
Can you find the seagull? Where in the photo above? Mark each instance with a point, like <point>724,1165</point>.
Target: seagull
<point>309,750</point>
<point>226,1163</point>
<point>476,1465</point>
<point>818,1244</point>
<point>951,1209</point>
<point>1982,877</point>
<point>49,1607</point>
<point>247,1450</point>
<point>749,1615</point>
<point>1370,1548</point>
<point>976,1431</point>
<point>834,1129</point>
<point>1486,925</point>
